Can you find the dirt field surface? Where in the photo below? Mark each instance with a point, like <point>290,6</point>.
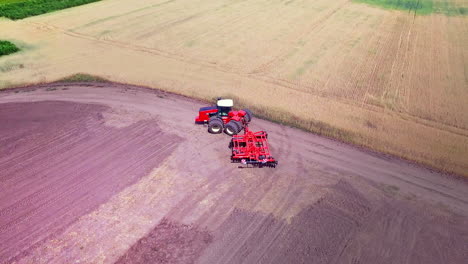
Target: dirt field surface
<point>109,173</point>
<point>385,79</point>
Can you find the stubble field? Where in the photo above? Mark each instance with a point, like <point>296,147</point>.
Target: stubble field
<point>389,80</point>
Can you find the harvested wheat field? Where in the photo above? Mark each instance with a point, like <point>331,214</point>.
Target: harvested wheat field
<point>392,80</point>
<point>112,173</point>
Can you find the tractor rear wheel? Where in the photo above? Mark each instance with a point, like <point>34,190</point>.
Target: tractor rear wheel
<point>215,126</point>
<point>231,129</point>
<point>248,115</point>
<point>238,124</point>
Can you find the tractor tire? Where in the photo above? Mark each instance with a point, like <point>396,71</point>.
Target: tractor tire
<point>215,118</point>
<point>231,129</point>
<point>239,125</point>
<point>215,126</point>
<point>248,115</point>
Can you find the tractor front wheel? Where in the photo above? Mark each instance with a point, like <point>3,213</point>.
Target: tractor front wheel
<point>215,126</point>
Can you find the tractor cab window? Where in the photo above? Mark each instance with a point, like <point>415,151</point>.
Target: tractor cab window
<point>223,111</point>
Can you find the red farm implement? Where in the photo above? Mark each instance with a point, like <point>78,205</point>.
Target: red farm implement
<point>252,148</point>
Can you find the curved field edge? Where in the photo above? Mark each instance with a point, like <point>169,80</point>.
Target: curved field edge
<point>282,117</point>
<point>419,7</point>
<point>22,9</point>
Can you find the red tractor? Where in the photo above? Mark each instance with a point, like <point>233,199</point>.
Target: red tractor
<point>252,148</point>
<point>222,118</point>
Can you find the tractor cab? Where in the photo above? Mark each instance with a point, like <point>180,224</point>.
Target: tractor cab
<point>221,110</point>
<point>224,106</point>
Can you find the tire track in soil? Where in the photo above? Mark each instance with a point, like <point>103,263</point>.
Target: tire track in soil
<point>21,219</point>
<point>417,234</point>
<point>59,183</point>
<point>76,163</point>
<point>313,236</point>
<point>344,226</point>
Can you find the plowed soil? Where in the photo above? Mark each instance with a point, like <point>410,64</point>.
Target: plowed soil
<point>105,173</point>
<point>59,161</point>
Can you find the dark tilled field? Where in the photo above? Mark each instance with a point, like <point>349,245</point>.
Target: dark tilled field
<point>59,162</point>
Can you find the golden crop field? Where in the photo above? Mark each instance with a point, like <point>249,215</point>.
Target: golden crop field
<point>389,80</point>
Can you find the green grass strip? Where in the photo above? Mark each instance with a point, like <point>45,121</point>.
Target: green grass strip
<point>7,47</point>
<point>420,7</point>
<point>83,77</point>
<point>22,9</point>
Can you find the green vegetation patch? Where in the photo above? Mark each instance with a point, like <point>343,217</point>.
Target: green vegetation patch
<point>83,77</point>
<point>420,7</point>
<point>19,9</point>
<point>6,47</point>
<point>4,2</point>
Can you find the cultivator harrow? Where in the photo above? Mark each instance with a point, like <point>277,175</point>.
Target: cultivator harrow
<point>252,149</point>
